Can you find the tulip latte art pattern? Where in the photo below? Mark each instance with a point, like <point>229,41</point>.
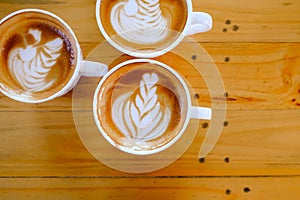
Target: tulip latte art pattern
<point>31,65</point>
<point>142,118</point>
<point>140,21</point>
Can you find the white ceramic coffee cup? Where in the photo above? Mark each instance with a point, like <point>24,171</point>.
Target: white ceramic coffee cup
<point>196,22</point>
<point>194,112</point>
<point>82,67</point>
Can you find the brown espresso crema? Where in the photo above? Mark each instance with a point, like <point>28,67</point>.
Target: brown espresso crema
<point>141,106</point>
<point>38,55</point>
<point>143,25</point>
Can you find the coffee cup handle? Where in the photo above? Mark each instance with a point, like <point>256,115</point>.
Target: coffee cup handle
<point>93,69</point>
<point>200,22</point>
<point>200,113</point>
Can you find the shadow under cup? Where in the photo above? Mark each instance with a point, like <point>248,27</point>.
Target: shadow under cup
<point>39,56</point>
<point>141,106</point>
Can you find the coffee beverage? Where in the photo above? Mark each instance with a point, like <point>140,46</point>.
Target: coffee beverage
<point>143,25</point>
<point>149,28</point>
<point>38,55</point>
<point>140,106</point>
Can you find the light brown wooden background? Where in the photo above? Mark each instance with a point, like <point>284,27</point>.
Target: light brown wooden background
<point>257,156</point>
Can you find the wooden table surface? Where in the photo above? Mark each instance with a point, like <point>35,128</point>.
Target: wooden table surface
<point>255,46</point>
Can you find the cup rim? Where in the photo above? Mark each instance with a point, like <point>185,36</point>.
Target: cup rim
<point>187,97</point>
<point>74,77</point>
<point>144,55</point>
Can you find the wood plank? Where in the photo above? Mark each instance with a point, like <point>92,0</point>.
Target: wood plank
<point>257,75</point>
<point>255,46</point>
<point>150,188</point>
<point>251,21</point>
<point>253,142</point>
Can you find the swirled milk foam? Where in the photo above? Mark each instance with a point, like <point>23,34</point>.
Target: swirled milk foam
<point>141,106</point>
<point>143,24</point>
<point>37,55</point>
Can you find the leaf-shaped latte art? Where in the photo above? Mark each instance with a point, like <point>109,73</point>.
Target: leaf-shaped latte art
<point>140,21</point>
<point>30,65</point>
<point>143,119</point>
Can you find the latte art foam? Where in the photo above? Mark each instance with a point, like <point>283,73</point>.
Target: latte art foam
<point>38,55</point>
<point>31,65</point>
<point>142,118</point>
<point>140,106</point>
<point>140,21</point>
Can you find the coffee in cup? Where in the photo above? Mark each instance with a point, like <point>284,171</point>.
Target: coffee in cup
<point>40,56</point>
<point>143,106</point>
<point>147,28</point>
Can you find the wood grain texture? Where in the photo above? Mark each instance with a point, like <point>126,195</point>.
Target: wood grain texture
<point>268,21</point>
<point>256,48</point>
<point>46,143</point>
<point>251,21</point>
<point>258,75</point>
<point>150,188</point>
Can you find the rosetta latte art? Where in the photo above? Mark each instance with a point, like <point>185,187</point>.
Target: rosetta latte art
<point>31,65</point>
<point>140,21</point>
<point>142,119</point>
